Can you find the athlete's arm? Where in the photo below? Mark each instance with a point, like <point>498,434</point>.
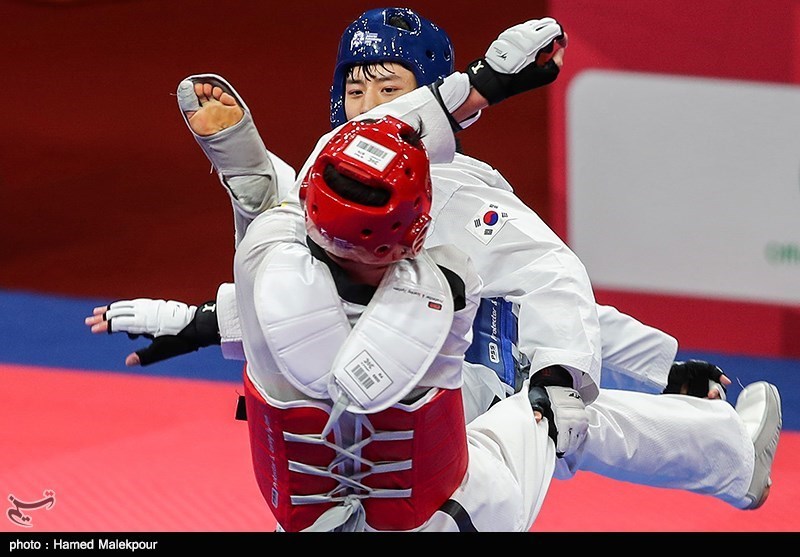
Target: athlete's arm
<point>175,328</point>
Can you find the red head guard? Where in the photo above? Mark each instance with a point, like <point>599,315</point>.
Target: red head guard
<point>379,155</point>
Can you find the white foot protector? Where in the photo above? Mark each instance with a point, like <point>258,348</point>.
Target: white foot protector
<point>255,178</point>
<point>759,406</point>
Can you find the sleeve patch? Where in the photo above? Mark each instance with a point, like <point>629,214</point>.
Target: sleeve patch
<point>487,222</point>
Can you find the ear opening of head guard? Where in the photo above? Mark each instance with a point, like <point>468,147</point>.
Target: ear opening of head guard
<point>376,36</point>
<point>370,154</point>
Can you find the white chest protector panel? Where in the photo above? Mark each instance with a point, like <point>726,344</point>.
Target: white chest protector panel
<point>300,315</point>
<point>376,363</point>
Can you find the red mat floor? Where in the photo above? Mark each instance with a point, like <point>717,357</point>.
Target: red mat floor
<point>121,453</point>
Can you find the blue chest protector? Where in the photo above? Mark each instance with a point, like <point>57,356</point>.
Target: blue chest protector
<point>494,342</point>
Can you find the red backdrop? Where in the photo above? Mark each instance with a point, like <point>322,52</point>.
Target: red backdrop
<point>105,194</point>
<point>104,191</point>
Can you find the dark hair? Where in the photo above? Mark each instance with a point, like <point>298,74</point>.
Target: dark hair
<point>413,138</point>
<point>397,20</point>
<point>370,70</point>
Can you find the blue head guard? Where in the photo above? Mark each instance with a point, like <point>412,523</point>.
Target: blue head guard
<point>424,48</point>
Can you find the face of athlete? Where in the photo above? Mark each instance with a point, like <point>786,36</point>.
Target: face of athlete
<point>380,84</point>
<point>364,91</point>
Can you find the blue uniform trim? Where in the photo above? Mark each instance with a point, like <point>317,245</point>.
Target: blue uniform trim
<point>494,340</point>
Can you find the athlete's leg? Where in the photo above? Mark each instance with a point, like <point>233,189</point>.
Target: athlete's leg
<point>511,460</point>
<point>221,123</point>
<point>679,442</point>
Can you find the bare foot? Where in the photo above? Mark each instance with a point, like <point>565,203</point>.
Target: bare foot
<point>218,110</point>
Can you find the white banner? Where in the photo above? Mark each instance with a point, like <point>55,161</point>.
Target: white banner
<point>685,185</point>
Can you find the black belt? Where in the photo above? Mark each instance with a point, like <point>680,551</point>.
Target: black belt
<point>459,514</point>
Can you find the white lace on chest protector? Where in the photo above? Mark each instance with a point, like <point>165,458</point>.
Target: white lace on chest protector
<point>366,368</point>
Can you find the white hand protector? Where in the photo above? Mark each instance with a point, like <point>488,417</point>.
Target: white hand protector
<point>570,417</point>
<point>145,316</point>
<point>518,46</point>
<point>519,60</point>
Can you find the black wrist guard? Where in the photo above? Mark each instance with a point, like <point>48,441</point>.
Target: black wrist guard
<point>201,331</point>
<point>540,401</point>
<point>204,328</point>
<point>692,377</point>
<point>553,376</point>
<point>496,86</point>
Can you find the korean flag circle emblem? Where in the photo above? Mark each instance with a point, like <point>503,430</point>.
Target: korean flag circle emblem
<point>487,222</point>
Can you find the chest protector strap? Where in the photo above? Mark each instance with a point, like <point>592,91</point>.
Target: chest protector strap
<point>400,465</point>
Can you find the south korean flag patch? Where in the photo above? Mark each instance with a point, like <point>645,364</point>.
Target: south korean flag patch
<point>487,222</point>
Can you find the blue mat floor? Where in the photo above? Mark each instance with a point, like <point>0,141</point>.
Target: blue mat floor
<point>49,331</point>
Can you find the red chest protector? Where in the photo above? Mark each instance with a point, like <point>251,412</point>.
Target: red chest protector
<point>403,462</point>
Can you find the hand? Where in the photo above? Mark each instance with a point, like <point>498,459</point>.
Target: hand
<point>556,54</point>
<point>535,41</point>
<point>523,57</point>
<point>697,378</point>
<point>568,421</point>
<point>174,327</point>
<point>98,324</point>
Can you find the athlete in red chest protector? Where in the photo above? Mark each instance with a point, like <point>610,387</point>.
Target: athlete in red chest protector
<point>369,432</point>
